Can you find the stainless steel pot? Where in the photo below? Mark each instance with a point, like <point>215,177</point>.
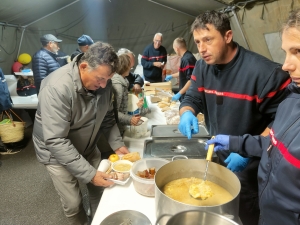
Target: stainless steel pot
<point>126,217</point>
<point>197,217</point>
<point>195,168</point>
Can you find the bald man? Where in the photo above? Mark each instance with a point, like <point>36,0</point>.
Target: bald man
<point>154,59</point>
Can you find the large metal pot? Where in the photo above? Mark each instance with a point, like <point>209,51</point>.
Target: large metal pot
<point>197,217</point>
<point>195,168</point>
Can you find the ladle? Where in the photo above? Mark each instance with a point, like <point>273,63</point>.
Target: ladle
<point>210,152</point>
<point>202,190</point>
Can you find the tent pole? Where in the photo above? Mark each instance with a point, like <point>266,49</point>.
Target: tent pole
<point>24,27</point>
<point>232,9</point>
<point>51,13</point>
<point>171,8</point>
<point>238,23</point>
<point>20,43</point>
<point>9,25</point>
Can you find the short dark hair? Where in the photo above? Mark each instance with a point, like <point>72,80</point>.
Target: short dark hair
<point>293,20</point>
<point>218,19</point>
<point>101,53</point>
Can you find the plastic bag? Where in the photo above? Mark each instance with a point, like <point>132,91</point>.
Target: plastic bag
<point>145,108</point>
<point>172,116</point>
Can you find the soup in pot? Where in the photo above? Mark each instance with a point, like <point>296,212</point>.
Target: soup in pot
<point>179,191</point>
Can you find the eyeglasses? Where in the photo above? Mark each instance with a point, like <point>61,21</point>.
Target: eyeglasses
<point>158,41</point>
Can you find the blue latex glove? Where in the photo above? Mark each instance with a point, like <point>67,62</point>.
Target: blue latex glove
<point>236,163</point>
<point>221,143</point>
<point>176,97</point>
<point>168,78</point>
<point>188,124</point>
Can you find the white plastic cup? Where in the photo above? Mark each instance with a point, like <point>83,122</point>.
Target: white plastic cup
<point>104,165</point>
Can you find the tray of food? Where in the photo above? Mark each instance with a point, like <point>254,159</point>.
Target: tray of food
<point>120,170</point>
<point>119,166</point>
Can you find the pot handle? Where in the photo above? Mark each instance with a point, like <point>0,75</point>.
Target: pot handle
<point>162,216</point>
<point>179,157</point>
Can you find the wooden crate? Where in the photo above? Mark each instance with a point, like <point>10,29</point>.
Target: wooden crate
<point>152,88</point>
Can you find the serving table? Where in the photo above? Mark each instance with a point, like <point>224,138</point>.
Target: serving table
<point>125,197</point>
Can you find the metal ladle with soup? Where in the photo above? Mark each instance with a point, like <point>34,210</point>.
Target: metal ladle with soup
<point>203,190</point>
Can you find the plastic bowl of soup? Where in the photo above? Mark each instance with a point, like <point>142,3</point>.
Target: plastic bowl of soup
<point>144,183</point>
<point>122,166</point>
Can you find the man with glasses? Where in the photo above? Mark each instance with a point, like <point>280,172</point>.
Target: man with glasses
<point>154,59</point>
<point>45,61</point>
<point>75,106</point>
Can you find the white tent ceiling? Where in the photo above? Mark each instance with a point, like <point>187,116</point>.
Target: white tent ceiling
<point>23,12</point>
<point>122,23</point>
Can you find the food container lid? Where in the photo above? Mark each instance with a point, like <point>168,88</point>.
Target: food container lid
<point>131,217</point>
<point>166,131</point>
<point>169,147</point>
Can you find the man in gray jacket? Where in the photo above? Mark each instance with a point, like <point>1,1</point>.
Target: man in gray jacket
<point>75,105</point>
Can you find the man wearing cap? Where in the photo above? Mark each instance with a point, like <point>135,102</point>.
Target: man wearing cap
<point>45,61</point>
<point>84,43</point>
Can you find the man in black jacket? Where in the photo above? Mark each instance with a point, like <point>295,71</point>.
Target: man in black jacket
<point>238,91</point>
<point>136,82</point>
<point>45,61</point>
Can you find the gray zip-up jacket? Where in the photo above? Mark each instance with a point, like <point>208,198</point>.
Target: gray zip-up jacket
<point>120,89</point>
<point>69,120</point>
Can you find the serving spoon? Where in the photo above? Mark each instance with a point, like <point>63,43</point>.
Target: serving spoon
<point>203,191</point>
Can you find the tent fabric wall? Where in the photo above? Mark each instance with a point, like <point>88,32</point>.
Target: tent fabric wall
<point>124,23</point>
<point>130,24</point>
<point>263,19</point>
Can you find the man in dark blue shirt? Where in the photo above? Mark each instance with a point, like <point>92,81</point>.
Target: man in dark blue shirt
<point>238,91</point>
<point>154,59</point>
<point>187,64</point>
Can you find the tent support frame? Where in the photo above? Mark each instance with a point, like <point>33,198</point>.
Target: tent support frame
<point>232,9</point>
<point>171,8</point>
<point>25,26</point>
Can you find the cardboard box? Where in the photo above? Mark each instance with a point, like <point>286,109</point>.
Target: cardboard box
<point>152,88</point>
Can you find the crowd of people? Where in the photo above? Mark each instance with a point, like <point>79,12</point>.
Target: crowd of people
<point>249,103</point>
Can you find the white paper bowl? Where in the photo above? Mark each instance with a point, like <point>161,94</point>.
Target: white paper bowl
<point>120,166</point>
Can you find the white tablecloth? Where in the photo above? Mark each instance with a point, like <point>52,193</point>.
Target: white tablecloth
<point>125,197</point>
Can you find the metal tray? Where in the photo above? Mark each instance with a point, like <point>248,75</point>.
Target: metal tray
<point>169,147</point>
<point>166,131</point>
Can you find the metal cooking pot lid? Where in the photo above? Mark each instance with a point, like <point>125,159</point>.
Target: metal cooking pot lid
<point>126,217</point>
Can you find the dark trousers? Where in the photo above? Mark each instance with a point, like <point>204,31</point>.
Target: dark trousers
<point>31,113</point>
<point>104,147</point>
